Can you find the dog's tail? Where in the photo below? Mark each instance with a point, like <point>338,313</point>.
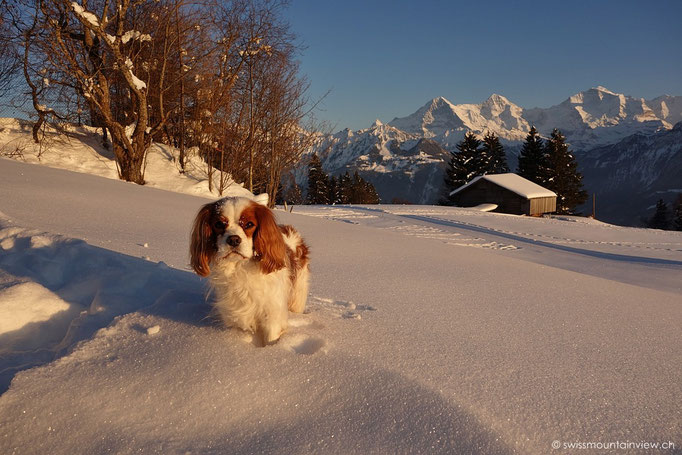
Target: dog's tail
<point>299,260</point>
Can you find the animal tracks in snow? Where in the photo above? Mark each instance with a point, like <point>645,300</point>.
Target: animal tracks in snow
<point>305,333</point>
<point>451,238</point>
<point>342,214</point>
<point>338,308</point>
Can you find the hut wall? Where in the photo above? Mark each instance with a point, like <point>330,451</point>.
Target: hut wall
<point>540,205</point>
<point>484,191</point>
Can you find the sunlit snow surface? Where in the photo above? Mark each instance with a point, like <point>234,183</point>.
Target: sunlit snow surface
<point>428,330</point>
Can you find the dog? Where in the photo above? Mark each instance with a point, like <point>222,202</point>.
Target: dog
<point>259,271</point>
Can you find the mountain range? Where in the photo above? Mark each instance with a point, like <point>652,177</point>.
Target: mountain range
<point>405,158</point>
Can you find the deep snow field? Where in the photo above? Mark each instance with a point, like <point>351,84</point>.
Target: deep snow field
<point>428,330</point>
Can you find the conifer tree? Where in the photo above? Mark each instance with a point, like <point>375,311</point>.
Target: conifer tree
<point>294,195</point>
<point>370,195</point>
<point>281,197</point>
<point>357,188</point>
<point>532,160</point>
<point>345,188</point>
<point>463,166</point>
<point>318,184</point>
<point>563,176</point>
<point>661,217</point>
<point>492,157</point>
<point>334,196</point>
<point>677,214</point>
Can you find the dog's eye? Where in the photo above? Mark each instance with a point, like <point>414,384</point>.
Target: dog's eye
<point>248,225</point>
<point>219,224</point>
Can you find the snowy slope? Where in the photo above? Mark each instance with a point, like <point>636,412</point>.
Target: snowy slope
<point>430,329</point>
<point>80,149</point>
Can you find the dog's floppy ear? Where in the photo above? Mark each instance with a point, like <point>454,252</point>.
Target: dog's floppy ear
<point>268,242</point>
<point>202,244</point>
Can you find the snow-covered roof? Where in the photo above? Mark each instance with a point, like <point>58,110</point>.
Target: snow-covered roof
<point>514,183</point>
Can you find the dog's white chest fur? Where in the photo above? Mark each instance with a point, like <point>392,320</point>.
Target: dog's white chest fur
<point>250,300</point>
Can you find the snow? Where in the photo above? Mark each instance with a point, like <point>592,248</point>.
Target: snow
<point>86,154</point>
<point>85,15</point>
<point>414,341</point>
<point>138,83</point>
<point>135,35</point>
<point>428,330</point>
<point>514,183</point>
<point>13,312</point>
<point>485,207</point>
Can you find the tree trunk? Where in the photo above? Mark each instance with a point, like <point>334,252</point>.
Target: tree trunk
<point>129,155</point>
<point>131,168</point>
<point>37,125</point>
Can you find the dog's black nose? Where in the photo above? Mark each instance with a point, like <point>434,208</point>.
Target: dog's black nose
<point>234,240</point>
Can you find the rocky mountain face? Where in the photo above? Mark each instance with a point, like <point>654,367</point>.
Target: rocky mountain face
<point>405,158</point>
<point>630,176</point>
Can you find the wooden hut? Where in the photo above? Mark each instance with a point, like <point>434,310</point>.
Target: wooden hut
<point>510,192</point>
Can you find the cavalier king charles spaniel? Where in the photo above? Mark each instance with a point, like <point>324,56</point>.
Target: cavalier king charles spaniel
<point>258,270</point>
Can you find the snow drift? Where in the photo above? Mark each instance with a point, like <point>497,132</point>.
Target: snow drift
<point>429,329</point>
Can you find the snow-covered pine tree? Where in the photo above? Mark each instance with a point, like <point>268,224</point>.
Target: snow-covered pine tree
<point>492,152</point>
<point>318,184</point>
<point>661,217</point>
<point>532,160</point>
<point>564,178</point>
<point>677,213</point>
<point>463,166</point>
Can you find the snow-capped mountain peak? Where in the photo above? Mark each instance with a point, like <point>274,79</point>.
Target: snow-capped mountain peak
<point>433,119</point>
<point>388,155</point>
<point>497,100</point>
<point>602,89</point>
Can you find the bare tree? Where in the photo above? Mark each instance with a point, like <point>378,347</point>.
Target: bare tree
<point>9,58</point>
<point>217,76</point>
<point>94,50</point>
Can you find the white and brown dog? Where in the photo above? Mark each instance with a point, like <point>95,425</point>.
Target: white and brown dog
<point>259,270</point>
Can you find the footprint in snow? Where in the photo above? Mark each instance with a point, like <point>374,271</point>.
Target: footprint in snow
<point>301,337</point>
<point>339,308</point>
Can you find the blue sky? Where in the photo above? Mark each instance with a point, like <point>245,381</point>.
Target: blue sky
<point>383,59</point>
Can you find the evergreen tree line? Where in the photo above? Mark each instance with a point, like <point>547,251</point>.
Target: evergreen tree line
<point>473,158</point>
<point>549,163</point>
<point>666,219</point>
<point>326,189</point>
